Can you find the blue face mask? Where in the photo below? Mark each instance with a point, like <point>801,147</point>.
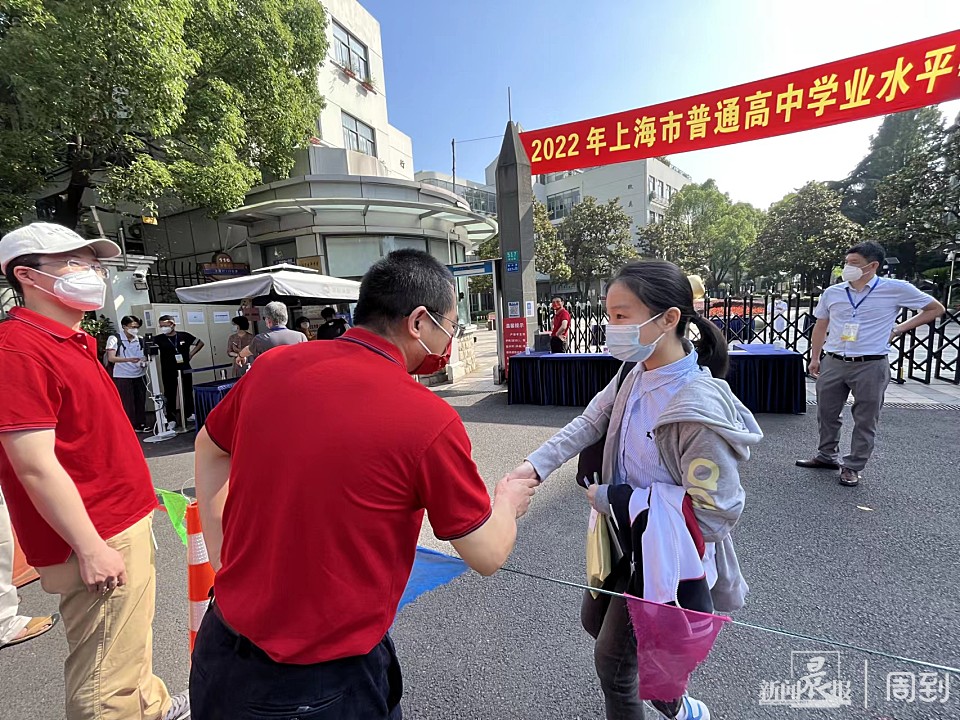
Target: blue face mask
<point>623,342</point>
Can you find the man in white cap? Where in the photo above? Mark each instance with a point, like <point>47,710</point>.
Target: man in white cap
<point>75,479</point>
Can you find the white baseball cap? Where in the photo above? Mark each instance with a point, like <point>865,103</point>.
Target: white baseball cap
<point>42,238</point>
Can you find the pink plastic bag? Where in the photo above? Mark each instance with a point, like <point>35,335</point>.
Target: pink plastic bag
<point>671,643</point>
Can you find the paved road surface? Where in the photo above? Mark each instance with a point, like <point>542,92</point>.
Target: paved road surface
<point>511,647</point>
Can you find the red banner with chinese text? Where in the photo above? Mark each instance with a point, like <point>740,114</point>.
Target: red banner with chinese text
<point>916,74</point>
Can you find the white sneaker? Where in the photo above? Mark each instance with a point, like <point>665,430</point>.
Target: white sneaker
<point>692,709</point>
<point>172,425</point>
<point>179,708</point>
<point>192,418</point>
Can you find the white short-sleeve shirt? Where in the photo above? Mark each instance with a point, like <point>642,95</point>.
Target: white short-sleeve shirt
<point>130,348</point>
<point>875,314</point>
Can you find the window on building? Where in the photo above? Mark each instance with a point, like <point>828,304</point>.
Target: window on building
<point>652,218</point>
<point>351,256</point>
<point>350,52</point>
<point>560,204</point>
<point>393,242</point>
<point>652,182</point>
<point>358,136</point>
<point>660,188</point>
<point>285,252</point>
<point>480,201</point>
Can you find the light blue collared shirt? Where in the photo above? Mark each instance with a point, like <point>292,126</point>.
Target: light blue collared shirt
<point>639,463</point>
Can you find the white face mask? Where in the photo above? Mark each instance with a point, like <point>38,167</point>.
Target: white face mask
<point>133,331</point>
<point>166,329</point>
<point>80,290</point>
<point>623,342</point>
<point>851,273</point>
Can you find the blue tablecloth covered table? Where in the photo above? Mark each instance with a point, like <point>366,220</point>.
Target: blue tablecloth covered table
<point>766,378</point>
<point>542,378</point>
<point>207,395</point>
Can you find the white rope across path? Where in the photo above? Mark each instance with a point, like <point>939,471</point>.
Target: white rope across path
<point>751,626</point>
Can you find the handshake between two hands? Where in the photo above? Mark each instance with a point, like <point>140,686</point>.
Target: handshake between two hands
<point>519,485</point>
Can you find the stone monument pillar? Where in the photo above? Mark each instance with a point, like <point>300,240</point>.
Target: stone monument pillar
<point>518,288</point>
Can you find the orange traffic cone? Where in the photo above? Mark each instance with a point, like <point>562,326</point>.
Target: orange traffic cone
<point>199,571</point>
<point>23,573</point>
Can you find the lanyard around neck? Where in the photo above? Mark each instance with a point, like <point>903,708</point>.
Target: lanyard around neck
<point>856,306</point>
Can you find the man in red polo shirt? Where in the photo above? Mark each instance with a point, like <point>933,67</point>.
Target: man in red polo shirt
<point>313,558</point>
<point>75,480</point>
<point>561,327</point>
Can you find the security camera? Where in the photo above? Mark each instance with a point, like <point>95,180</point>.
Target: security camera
<point>140,273</point>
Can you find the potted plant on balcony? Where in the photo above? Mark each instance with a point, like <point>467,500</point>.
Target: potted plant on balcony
<point>367,83</point>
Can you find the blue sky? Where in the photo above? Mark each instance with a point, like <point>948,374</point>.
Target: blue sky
<point>448,64</point>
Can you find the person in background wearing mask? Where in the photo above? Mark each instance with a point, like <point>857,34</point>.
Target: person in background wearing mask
<point>303,325</point>
<point>673,423</point>
<point>320,646</point>
<point>332,326</point>
<point>125,354</point>
<point>856,322</point>
<point>176,351</point>
<point>83,525</point>
<point>277,334</point>
<point>237,342</point>
<point>561,327</point>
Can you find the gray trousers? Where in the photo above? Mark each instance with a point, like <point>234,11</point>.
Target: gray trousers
<point>607,620</point>
<point>868,382</point>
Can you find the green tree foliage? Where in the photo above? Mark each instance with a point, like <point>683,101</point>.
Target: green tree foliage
<point>951,180</point>
<point>196,99</point>
<point>910,200</point>
<point>704,232</point>
<point>597,240</point>
<point>900,138</point>
<point>804,234</point>
<point>549,251</point>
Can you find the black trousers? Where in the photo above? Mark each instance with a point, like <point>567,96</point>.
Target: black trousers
<point>557,345</point>
<point>170,394</point>
<point>232,679</point>
<point>133,395</point>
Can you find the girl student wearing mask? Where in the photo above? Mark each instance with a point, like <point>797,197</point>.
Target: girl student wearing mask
<point>671,421</point>
<point>124,351</point>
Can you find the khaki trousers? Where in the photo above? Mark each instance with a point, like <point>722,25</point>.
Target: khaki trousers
<point>109,669</point>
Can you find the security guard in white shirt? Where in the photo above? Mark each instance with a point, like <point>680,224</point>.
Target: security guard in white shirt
<point>856,321</point>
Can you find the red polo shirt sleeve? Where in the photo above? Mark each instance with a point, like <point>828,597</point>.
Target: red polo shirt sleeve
<point>221,423</point>
<point>450,487</point>
<point>30,392</point>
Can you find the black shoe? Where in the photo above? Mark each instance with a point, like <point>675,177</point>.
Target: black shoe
<point>818,464</point>
<point>849,477</point>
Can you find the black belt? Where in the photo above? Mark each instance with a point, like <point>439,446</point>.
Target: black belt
<point>856,358</point>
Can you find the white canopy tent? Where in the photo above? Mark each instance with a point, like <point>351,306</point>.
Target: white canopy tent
<point>277,282</point>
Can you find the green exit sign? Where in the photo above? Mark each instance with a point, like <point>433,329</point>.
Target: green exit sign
<point>513,255</point>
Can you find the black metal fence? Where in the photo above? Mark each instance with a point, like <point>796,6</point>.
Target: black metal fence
<point>169,275</point>
<point>927,352</point>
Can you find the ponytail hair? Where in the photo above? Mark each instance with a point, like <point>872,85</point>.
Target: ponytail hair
<point>661,285</point>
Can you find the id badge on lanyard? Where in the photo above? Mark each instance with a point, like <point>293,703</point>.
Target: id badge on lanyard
<point>851,330</point>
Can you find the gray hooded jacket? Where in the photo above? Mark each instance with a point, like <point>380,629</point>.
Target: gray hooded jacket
<point>702,436</point>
